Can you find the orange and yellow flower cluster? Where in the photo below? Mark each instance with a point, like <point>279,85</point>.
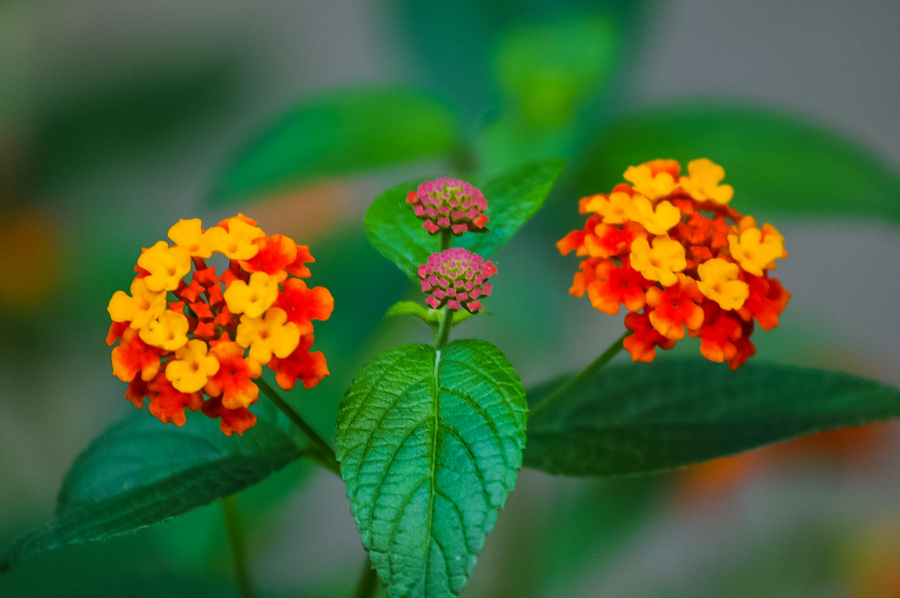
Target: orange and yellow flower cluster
<point>189,338</point>
<point>670,249</point>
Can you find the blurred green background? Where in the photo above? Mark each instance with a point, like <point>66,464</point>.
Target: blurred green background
<point>118,118</point>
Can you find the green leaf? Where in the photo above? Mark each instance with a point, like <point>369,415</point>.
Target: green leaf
<point>641,418</point>
<point>582,529</point>
<point>777,163</point>
<point>337,134</point>
<point>429,444</point>
<point>545,70</point>
<point>432,317</point>
<point>512,198</point>
<point>140,472</point>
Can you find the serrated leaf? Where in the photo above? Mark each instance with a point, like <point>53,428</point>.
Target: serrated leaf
<point>632,419</point>
<point>140,472</point>
<point>512,198</point>
<point>777,163</point>
<point>429,444</point>
<point>336,134</point>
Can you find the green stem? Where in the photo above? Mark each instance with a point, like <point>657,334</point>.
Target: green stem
<point>323,454</point>
<point>443,331</point>
<point>591,369</point>
<point>446,239</point>
<point>368,582</point>
<point>237,544</point>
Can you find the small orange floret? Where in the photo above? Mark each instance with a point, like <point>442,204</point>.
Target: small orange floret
<point>301,365</point>
<point>231,420</point>
<point>134,356</point>
<point>168,403</point>
<point>233,383</point>
<point>680,259</point>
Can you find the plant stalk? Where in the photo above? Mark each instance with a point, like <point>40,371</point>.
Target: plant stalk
<point>323,454</point>
<point>446,239</point>
<point>442,334</point>
<point>237,545</point>
<point>591,369</point>
<point>368,582</point>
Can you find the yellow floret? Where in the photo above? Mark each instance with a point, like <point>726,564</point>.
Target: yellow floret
<point>166,265</point>
<point>660,262</point>
<point>138,308</point>
<point>189,234</point>
<point>168,331</point>
<point>642,180</point>
<point>612,208</point>
<point>192,367</point>
<point>719,281</point>
<point>267,336</point>
<point>236,242</point>
<point>703,182</point>
<point>756,252</point>
<point>657,221</point>
<point>254,298</point>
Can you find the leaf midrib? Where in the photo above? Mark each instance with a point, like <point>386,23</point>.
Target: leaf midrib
<point>432,473</point>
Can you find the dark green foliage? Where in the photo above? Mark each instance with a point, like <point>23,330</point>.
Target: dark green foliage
<point>429,443</point>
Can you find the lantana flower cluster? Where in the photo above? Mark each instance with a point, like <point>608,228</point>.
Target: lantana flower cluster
<point>192,338</point>
<point>670,249</point>
<point>454,278</point>
<point>449,204</point>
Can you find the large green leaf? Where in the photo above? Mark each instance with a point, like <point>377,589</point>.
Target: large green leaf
<point>455,41</point>
<point>641,418</point>
<point>547,69</point>
<point>339,133</point>
<point>550,74</point>
<point>512,199</point>
<point>140,471</point>
<point>429,443</point>
<point>777,163</point>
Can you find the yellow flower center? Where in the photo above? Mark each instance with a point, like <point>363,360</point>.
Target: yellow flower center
<point>139,308</point>
<point>657,221</point>
<point>756,252</point>
<point>660,262</point>
<point>268,335</point>
<point>192,367</point>
<point>252,298</point>
<point>236,242</point>
<point>166,265</point>
<point>643,181</point>
<point>719,281</point>
<point>613,208</point>
<point>189,234</point>
<point>168,331</point>
<point>703,182</point>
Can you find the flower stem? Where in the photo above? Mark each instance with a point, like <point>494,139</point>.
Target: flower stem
<point>237,544</point>
<point>443,331</point>
<point>323,454</point>
<point>591,369</point>
<point>368,582</point>
<point>446,239</point>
